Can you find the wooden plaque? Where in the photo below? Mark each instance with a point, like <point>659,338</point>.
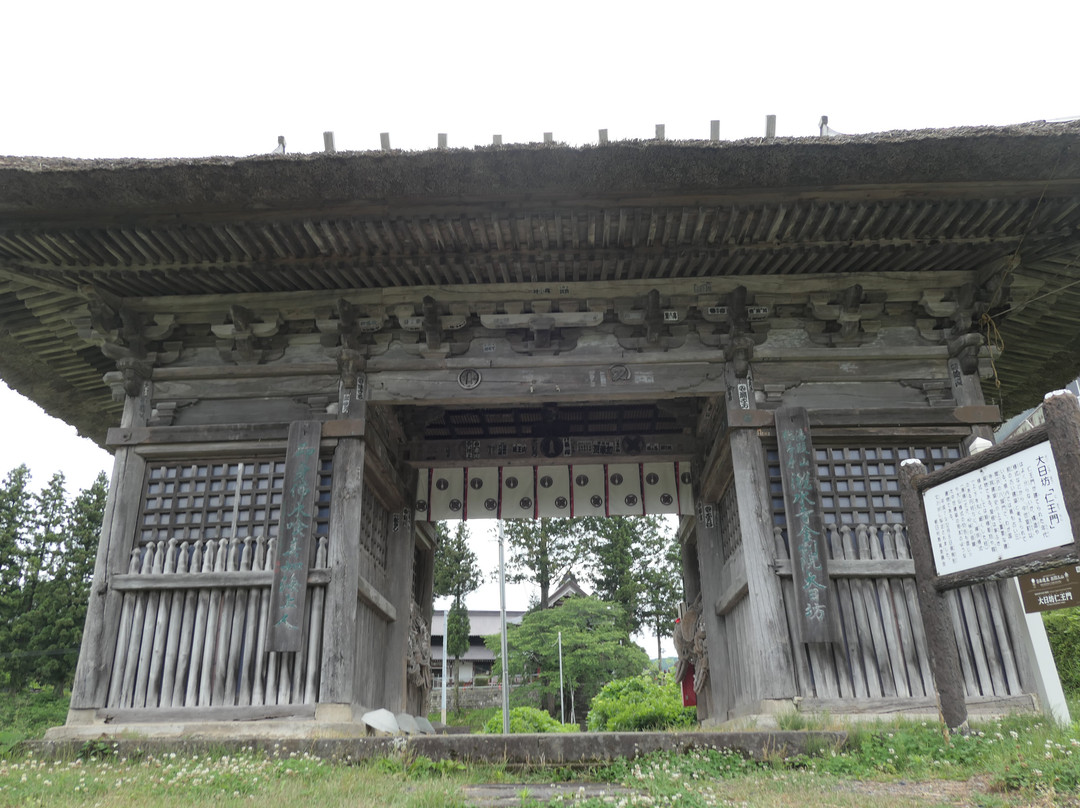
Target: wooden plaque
<point>292,554</point>
<point>1057,588</point>
<point>816,606</point>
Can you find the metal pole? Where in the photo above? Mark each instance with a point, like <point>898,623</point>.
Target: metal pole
<point>562,704</point>
<point>445,636</point>
<point>502,611</point>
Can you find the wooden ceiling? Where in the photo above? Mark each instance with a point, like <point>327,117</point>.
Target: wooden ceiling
<point>1002,203</point>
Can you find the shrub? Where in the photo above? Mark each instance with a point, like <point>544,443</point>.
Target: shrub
<point>528,719</point>
<point>1063,631</point>
<point>480,681</point>
<point>640,703</point>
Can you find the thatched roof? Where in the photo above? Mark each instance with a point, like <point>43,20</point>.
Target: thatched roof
<point>926,201</point>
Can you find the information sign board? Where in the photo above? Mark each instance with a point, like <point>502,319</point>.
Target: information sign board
<point>1006,509</point>
<point>1058,588</point>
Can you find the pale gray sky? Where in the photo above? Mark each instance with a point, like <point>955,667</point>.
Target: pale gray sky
<point>138,79</point>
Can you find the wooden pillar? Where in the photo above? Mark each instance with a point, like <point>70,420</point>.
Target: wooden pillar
<point>339,621</point>
<point>91,686</point>
<point>773,671</point>
<point>716,580</point>
<point>940,638</point>
<point>399,566</point>
<point>770,645</point>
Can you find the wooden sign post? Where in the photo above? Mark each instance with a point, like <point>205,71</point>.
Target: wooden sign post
<point>1013,509</point>
<point>288,591</point>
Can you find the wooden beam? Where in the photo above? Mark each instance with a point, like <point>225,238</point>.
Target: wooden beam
<point>521,386</point>
<point>485,452</point>
<point>897,286</point>
<point>194,715</point>
<point>130,582</point>
<point>373,598</point>
<point>732,595</point>
<point>849,568</point>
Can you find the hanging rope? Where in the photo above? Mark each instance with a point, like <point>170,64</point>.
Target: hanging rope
<point>993,339</point>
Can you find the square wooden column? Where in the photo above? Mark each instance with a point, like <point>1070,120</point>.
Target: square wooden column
<point>91,686</point>
<point>770,643</point>
<point>339,616</point>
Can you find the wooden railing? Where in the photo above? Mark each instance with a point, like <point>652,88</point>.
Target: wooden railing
<point>193,625</point>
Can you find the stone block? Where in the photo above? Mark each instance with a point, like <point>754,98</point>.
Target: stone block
<point>381,722</point>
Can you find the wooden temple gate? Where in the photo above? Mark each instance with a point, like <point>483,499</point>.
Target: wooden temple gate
<point>311,358</point>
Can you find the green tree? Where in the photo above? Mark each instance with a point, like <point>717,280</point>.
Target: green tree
<point>15,525</point>
<point>456,575</point>
<point>60,609</point>
<point>47,551</point>
<point>631,564</point>
<point>542,551</point>
<point>595,648</point>
<point>662,590</point>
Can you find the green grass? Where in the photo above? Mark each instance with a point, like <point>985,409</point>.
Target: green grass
<point>28,714</point>
<point>1018,761</point>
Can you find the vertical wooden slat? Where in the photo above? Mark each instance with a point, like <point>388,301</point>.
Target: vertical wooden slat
<point>213,627</point>
<point>251,627</point>
<point>867,658</point>
<point>911,598</point>
<point>164,610</point>
<point>1004,640</point>
<point>260,674</point>
<point>135,635</point>
<point>987,639</point>
<point>969,627</point>
<point>311,682</point>
<point>888,618</point>
<point>967,666</point>
<point>873,616</point>
<point>149,628</point>
<point>803,677</point>
<point>913,675</point>
<point>852,666</point>
<point>172,643</point>
<point>198,637</point>
<point>127,609</point>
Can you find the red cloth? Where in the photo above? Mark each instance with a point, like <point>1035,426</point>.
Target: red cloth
<point>689,695</point>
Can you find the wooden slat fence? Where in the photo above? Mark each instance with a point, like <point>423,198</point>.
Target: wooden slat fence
<point>884,654</point>
<point>193,627</point>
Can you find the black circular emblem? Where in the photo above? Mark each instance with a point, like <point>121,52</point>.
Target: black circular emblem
<point>616,479</point>
<point>631,500</point>
<point>476,483</point>
<point>421,505</point>
<point>525,503</point>
<point>685,478</point>
<point>551,447</point>
<point>455,505</point>
<point>666,499</point>
<point>560,502</point>
<point>442,484</point>
<point>582,480</point>
<point>596,500</point>
<point>546,482</point>
<point>652,478</point>
<point>491,504</point>
<point>511,482</point>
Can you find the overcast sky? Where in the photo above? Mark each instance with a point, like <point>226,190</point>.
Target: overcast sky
<point>139,79</point>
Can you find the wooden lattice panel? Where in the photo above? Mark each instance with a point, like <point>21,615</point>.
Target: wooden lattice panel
<point>859,484</point>
<point>730,530</point>
<point>374,527</point>
<point>207,500</point>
